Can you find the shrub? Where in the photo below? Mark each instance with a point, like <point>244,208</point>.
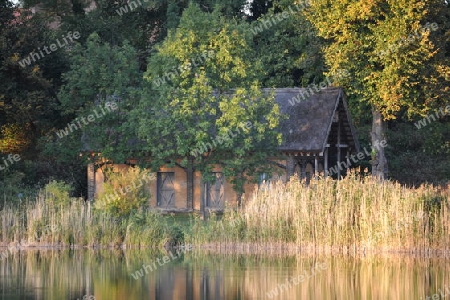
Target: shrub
<point>58,192</point>
<point>124,192</point>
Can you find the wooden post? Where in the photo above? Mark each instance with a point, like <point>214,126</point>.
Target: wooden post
<point>91,181</point>
<point>316,165</point>
<point>303,168</point>
<point>190,184</point>
<point>339,150</point>
<point>290,166</point>
<point>348,160</point>
<point>203,192</point>
<point>325,162</point>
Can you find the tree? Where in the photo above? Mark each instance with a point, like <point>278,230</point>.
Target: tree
<point>98,92</point>
<point>288,45</point>
<point>259,8</point>
<point>28,103</point>
<point>388,49</point>
<point>202,102</point>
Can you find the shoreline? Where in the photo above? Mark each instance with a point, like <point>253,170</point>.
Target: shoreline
<point>256,249</point>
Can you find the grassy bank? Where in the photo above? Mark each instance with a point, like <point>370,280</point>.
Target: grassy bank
<point>352,213</point>
<point>349,214</point>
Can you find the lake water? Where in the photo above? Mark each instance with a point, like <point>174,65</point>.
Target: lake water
<point>108,274</point>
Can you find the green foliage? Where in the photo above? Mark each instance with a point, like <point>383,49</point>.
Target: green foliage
<point>102,82</point>
<point>419,156</point>
<point>124,192</point>
<point>11,187</point>
<point>259,8</point>
<point>228,8</point>
<point>58,193</point>
<point>98,71</point>
<point>28,105</point>
<point>361,35</point>
<point>147,227</point>
<point>290,50</point>
<point>13,138</point>
<point>202,88</point>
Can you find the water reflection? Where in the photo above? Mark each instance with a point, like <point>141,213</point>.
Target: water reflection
<point>74,274</point>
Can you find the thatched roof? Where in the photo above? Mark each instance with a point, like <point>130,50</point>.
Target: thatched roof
<point>311,115</point>
<point>308,127</point>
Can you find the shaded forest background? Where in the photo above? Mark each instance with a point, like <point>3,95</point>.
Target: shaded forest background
<point>118,56</point>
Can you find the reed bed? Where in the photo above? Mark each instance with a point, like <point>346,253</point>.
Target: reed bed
<point>353,214</point>
<point>55,219</point>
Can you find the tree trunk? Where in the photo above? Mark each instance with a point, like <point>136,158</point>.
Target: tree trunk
<point>239,199</point>
<point>290,167</point>
<point>240,187</point>
<point>379,161</point>
<point>190,183</point>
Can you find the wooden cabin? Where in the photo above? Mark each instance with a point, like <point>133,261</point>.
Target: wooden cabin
<point>317,135</point>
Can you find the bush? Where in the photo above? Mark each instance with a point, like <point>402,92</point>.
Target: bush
<point>58,192</point>
<point>124,192</point>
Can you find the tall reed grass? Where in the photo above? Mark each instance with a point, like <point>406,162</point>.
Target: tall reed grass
<point>54,218</point>
<point>353,213</point>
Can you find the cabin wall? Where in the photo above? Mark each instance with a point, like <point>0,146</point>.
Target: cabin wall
<point>303,170</point>
<point>178,184</point>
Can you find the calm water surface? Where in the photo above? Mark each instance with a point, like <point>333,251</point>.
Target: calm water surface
<point>108,274</point>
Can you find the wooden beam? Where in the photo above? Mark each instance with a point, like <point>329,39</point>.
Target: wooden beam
<point>348,160</point>
<point>339,150</point>
<point>316,166</point>
<point>290,166</point>
<point>277,164</point>
<point>303,169</point>
<point>91,181</point>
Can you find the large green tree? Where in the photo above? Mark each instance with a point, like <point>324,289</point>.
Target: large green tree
<point>27,89</point>
<point>287,44</point>
<point>390,54</point>
<point>98,92</point>
<point>202,102</point>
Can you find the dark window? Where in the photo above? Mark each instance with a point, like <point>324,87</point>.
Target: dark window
<point>264,180</point>
<point>215,196</point>
<point>165,189</point>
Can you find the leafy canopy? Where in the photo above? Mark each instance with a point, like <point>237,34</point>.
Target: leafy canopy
<point>202,88</point>
<point>377,42</point>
